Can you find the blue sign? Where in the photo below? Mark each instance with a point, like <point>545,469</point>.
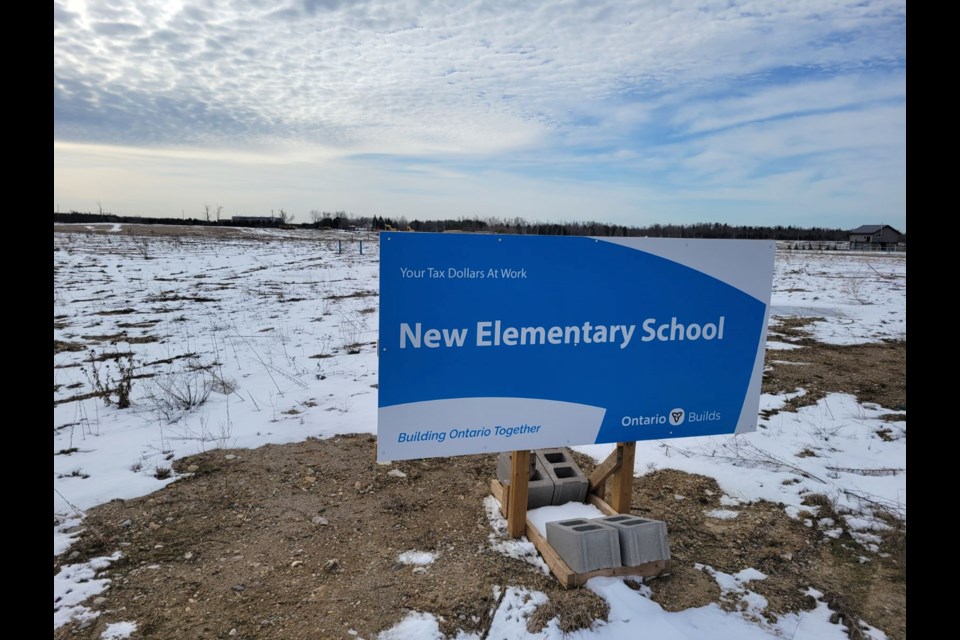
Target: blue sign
<point>499,343</point>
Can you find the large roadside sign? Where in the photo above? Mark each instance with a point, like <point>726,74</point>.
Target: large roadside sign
<point>500,343</point>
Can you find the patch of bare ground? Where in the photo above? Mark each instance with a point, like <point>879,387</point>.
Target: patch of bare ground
<point>59,346</point>
<point>302,540</point>
<point>874,372</point>
<point>179,231</point>
<point>156,230</point>
<point>355,294</point>
<point>120,337</point>
<point>793,556</point>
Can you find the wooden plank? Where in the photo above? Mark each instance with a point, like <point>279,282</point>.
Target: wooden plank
<point>517,502</point>
<point>560,569</point>
<point>569,578</point>
<point>601,504</point>
<point>604,470</point>
<point>622,490</point>
<point>497,490</point>
<point>646,570</point>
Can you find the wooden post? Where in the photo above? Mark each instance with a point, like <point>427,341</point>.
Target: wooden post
<point>598,479</point>
<point>622,489</point>
<point>517,501</point>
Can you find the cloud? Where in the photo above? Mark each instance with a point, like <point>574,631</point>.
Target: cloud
<point>631,93</point>
<point>116,29</point>
<point>784,98</point>
<point>352,64</point>
<point>62,16</point>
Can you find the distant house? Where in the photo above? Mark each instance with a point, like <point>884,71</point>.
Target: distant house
<point>878,237</point>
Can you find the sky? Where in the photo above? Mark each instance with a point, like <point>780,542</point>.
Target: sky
<point>753,112</point>
<point>277,310</point>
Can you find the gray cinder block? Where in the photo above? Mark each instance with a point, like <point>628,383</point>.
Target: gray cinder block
<point>585,545</point>
<point>540,489</point>
<point>570,485</point>
<point>556,455</point>
<point>641,540</point>
<point>504,462</point>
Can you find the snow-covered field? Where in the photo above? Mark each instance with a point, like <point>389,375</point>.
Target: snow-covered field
<point>269,337</point>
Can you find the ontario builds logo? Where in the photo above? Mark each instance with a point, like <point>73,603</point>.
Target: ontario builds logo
<point>674,418</point>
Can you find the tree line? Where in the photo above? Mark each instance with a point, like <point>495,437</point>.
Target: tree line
<point>342,220</point>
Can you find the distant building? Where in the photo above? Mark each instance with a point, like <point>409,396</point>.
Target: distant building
<point>877,237</point>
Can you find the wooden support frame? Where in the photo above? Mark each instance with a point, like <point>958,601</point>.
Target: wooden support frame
<point>622,489</point>
<point>618,464</point>
<point>519,491</point>
<point>513,506</point>
<point>567,576</point>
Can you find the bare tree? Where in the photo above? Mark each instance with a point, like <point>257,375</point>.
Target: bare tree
<point>206,211</point>
<point>218,212</point>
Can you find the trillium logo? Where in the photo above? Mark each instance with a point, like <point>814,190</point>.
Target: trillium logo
<point>676,416</point>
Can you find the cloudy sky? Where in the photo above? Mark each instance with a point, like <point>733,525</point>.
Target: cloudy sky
<point>754,112</point>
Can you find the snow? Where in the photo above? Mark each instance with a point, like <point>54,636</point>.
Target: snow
<point>521,549</point>
<point>569,511</point>
<point>735,582</point>
<point>861,297</point>
<point>279,329</point>
<point>416,557</point>
<point>721,514</point>
<point>829,448</point>
<point>631,610</point>
<point>416,625</point>
<point>74,584</point>
<point>118,630</point>
<point>773,345</point>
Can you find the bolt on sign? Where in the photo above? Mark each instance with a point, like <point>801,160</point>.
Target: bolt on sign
<point>500,343</point>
